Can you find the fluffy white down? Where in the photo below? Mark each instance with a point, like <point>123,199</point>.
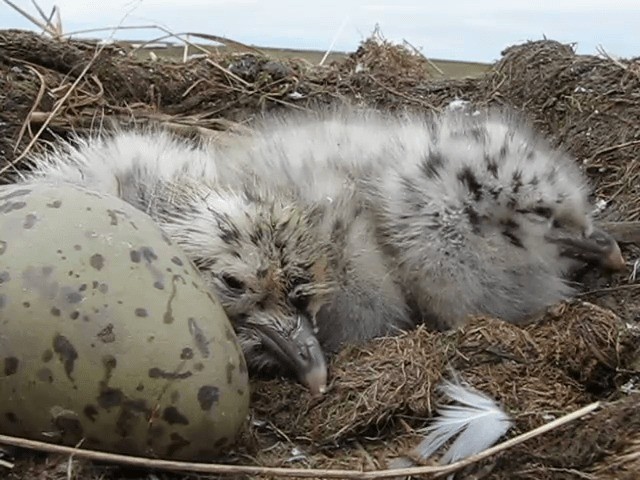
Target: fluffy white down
<point>427,219</point>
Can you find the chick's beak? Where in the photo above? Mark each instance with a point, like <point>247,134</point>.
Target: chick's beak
<point>614,260</point>
<point>599,248</point>
<point>301,351</point>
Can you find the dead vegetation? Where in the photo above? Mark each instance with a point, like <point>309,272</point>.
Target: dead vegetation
<point>381,393</point>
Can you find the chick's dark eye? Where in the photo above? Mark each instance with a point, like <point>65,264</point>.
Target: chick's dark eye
<point>300,300</point>
<point>544,212</point>
<point>299,296</point>
<point>297,281</point>
<point>232,282</point>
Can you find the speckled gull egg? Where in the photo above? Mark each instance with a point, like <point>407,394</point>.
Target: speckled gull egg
<point>108,334</point>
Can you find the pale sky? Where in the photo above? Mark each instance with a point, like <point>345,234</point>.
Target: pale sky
<point>449,29</point>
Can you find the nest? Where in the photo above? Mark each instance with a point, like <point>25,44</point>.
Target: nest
<point>527,369</point>
<point>382,392</point>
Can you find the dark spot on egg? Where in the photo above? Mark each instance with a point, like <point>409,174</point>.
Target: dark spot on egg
<point>113,217</point>
<point>159,285</point>
<point>137,405</point>
<point>69,426</point>
<point>221,442</point>
<point>106,335</point>
<point>198,367</point>
<point>148,254</point>
<point>10,365</point>
<point>135,256</point>
<point>91,412</point>
<point>11,206</point>
<point>110,397</point>
<point>187,354</point>
<point>97,261</point>
<point>103,288</point>
<point>177,261</point>
<point>29,221</point>
<point>82,287</point>
<point>74,315</point>
<point>4,277</point>
<point>109,362</point>
<point>77,248</point>
<point>208,396</point>
<point>175,396</point>
<point>67,354</point>
<point>141,312</point>
<point>172,416</point>
<point>125,423</point>
<point>156,372</point>
<point>54,204</point>
<point>74,297</point>
<point>230,368</point>
<point>47,355</point>
<point>3,246</point>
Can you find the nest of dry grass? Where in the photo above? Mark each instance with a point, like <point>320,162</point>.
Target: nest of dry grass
<point>380,393</point>
<point>550,367</point>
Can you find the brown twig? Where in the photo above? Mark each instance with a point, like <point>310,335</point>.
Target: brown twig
<point>182,126</point>
<point>41,92</point>
<point>613,148</point>
<point>402,95</point>
<point>221,469</point>
<point>617,288</point>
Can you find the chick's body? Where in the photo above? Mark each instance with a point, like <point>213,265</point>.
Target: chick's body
<point>437,217</point>
<point>358,223</point>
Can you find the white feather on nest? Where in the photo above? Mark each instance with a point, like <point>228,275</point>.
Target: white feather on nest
<point>477,421</point>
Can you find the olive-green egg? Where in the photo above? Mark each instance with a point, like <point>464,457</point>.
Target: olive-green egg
<point>108,334</point>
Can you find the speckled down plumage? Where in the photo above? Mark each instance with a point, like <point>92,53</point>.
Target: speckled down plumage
<point>326,230</point>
